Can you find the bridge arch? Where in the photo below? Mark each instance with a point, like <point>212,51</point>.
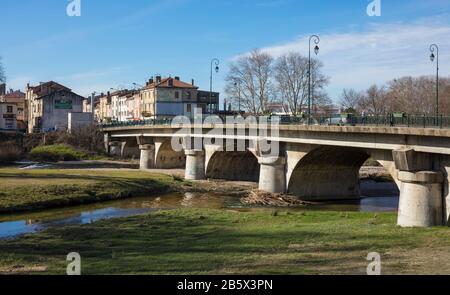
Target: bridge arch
<point>232,165</point>
<point>166,157</point>
<point>331,172</point>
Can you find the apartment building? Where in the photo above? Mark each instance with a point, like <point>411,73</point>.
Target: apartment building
<point>15,97</point>
<point>170,97</point>
<point>49,105</point>
<point>8,116</point>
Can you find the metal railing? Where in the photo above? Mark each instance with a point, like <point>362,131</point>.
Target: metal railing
<point>416,121</point>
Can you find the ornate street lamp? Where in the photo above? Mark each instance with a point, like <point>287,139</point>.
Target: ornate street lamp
<point>316,51</point>
<point>435,48</point>
<point>215,62</point>
<point>237,85</point>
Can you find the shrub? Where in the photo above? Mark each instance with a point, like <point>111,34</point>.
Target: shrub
<point>55,153</point>
<point>88,138</point>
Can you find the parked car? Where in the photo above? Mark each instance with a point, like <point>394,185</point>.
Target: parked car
<point>341,119</point>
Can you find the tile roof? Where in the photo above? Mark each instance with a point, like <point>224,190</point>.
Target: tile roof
<point>165,83</point>
<point>50,84</point>
<point>13,97</point>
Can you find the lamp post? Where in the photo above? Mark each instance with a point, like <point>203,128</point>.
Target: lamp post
<point>433,48</point>
<point>155,98</point>
<point>215,62</point>
<point>316,40</point>
<point>237,85</point>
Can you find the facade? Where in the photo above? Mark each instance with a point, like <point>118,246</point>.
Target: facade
<point>49,105</point>
<point>8,116</point>
<point>119,105</point>
<point>170,97</point>
<point>17,97</point>
<point>88,109</point>
<point>104,109</point>
<point>134,107</point>
<point>159,99</point>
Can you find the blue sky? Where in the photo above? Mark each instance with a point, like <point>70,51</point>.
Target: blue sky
<point>115,43</point>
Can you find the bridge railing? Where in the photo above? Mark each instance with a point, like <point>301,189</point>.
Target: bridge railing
<point>416,121</point>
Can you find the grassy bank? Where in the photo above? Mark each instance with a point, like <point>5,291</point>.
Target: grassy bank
<point>25,190</point>
<point>192,241</point>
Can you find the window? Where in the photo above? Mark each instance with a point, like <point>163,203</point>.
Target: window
<point>9,109</point>
<point>177,94</point>
<point>188,108</point>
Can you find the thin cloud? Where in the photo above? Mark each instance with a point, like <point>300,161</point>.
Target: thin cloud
<point>377,54</point>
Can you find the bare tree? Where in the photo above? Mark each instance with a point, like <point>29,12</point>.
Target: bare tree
<point>417,95</point>
<point>319,97</point>
<point>351,99</point>
<point>375,101</point>
<point>291,75</point>
<point>250,78</point>
<point>2,71</point>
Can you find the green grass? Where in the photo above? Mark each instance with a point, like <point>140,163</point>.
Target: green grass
<point>55,153</point>
<point>25,190</point>
<point>194,241</point>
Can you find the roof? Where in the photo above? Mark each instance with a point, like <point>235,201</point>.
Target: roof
<point>121,93</point>
<point>165,83</point>
<point>51,84</point>
<point>15,96</point>
<point>66,90</point>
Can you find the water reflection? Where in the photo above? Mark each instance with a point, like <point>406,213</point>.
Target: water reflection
<point>14,225</point>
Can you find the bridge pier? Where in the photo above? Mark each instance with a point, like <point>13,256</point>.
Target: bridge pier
<point>195,165</point>
<point>147,160</point>
<point>421,203</point>
<point>272,177</point>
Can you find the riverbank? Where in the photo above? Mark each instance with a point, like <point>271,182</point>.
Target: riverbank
<point>36,189</point>
<point>83,182</point>
<point>202,241</point>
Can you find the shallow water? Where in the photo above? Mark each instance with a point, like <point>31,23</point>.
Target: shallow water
<point>19,224</point>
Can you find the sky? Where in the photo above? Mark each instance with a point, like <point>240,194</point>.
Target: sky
<point>116,43</point>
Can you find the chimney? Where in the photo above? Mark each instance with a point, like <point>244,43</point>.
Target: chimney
<point>151,81</point>
<point>177,78</point>
<point>193,82</point>
<point>158,79</point>
<point>2,89</point>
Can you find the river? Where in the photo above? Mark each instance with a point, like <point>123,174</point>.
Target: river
<point>384,200</point>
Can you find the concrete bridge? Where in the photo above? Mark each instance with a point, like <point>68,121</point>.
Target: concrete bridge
<point>313,162</point>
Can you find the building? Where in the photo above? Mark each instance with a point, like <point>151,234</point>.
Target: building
<point>134,107</point>
<point>49,105</point>
<point>119,104</point>
<point>8,116</point>
<point>17,97</point>
<point>170,97</point>
<point>88,109</point>
<point>104,109</point>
